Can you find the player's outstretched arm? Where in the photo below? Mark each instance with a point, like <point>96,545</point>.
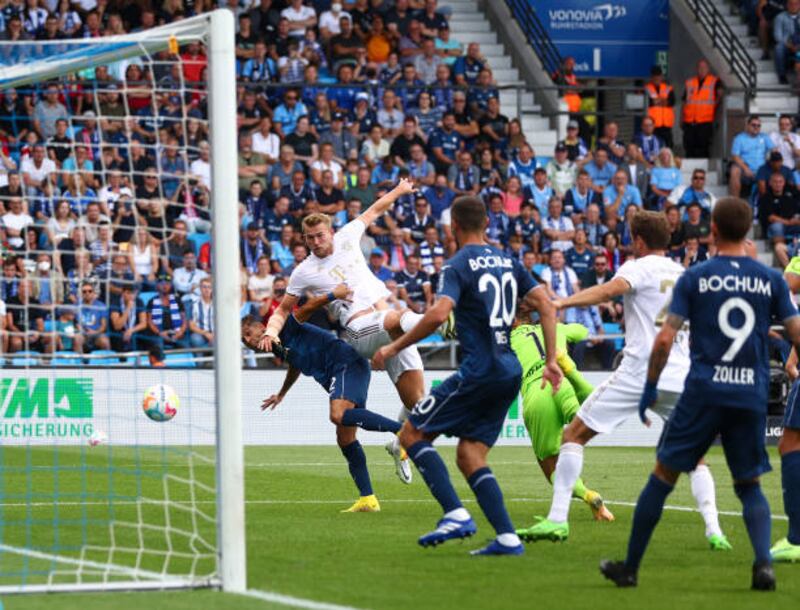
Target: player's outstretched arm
<point>658,360</point>
<point>595,295</point>
<point>791,364</point>
<point>539,299</point>
<point>273,401</point>
<point>340,292</point>
<point>276,322</point>
<point>433,319</point>
<point>382,205</point>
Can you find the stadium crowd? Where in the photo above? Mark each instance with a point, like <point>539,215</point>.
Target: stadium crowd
<point>105,177</point>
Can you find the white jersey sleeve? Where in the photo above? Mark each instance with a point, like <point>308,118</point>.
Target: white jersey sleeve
<point>634,273</point>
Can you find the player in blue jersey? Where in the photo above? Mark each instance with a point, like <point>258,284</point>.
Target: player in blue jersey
<point>338,368</point>
<point>730,302</point>
<point>482,285</point>
<point>788,548</point>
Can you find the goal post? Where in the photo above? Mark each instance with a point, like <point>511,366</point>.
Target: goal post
<point>162,505</point>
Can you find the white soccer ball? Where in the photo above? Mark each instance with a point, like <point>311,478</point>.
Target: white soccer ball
<point>98,437</point>
<point>160,402</point>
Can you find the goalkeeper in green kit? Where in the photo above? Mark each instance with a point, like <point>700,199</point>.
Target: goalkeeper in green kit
<point>545,413</point>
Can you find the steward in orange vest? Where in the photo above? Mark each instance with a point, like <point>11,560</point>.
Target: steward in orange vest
<point>700,100</point>
<point>661,105</point>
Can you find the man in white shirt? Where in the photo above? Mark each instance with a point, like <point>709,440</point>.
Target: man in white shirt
<point>299,17</point>
<point>186,280</point>
<point>329,21</point>
<point>786,141</point>
<point>37,172</point>
<point>646,287</point>
<point>557,229</point>
<point>110,193</point>
<point>200,167</point>
<point>15,221</point>
<point>265,142</point>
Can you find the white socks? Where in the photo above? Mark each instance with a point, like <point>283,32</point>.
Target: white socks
<point>403,415</point>
<point>459,514</point>
<point>509,540</point>
<point>409,320</point>
<point>705,496</point>
<point>568,469</point>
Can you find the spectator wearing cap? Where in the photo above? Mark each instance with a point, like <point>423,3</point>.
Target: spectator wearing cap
<point>600,170</point>
<point>748,152</point>
<point>166,320</point>
<point>430,248</point>
<point>299,193</point>
<point>463,177</point>
<point>660,105</point>
<point>448,48</point>
<point>774,164</point>
<point>445,143</point>
<point>576,147</point>
<point>403,143</point>
<point>579,197</point>
<point>611,143</point>
<point>253,247</point>
<point>128,319</point>
<point>561,172</point>
<point>420,170</point>
<point>683,195</point>
<point>648,143</point>
<point>619,195</point>
<point>414,285</point>
<point>286,114</point>
<point>779,209</point>
<point>381,271</point>
<point>524,165</point>
<point>92,321</point>
<point>344,143</point>
<point>540,192</point>
<point>375,147</point>
<point>557,229</point>
<point>467,67</point>
<point>786,142</point>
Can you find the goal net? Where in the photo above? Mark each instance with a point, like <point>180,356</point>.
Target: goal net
<point>112,288</point>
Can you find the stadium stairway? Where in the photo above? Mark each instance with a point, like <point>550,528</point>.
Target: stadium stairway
<point>468,23</point>
<point>778,99</point>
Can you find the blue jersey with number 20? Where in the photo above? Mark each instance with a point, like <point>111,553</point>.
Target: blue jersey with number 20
<point>484,284</point>
<point>730,303</point>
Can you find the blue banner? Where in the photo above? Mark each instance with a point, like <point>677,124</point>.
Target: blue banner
<point>622,38</point>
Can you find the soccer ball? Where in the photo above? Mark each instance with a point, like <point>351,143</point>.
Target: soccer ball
<point>98,437</point>
<point>160,402</point>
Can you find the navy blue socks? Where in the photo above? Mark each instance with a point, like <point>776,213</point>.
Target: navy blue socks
<point>369,420</point>
<point>645,518</point>
<point>433,470</point>
<point>755,510</point>
<point>490,499</point>
<point>790,476</point>
<point>357,462</point>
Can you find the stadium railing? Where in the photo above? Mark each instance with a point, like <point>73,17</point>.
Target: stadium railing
<point>537,35</point>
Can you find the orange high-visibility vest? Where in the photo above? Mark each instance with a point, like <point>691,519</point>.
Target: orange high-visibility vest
<point>700,101</point>
<point>571,97</point>
<point>663,116</point>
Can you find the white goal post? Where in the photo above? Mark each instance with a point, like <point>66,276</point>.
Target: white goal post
<point>217,30</point>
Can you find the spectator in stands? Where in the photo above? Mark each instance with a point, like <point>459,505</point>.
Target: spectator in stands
<point>285,115</point>
<point>47,111</point>
<point>636,168</point>
<point>445,143</point>
<point>665,177</point>
<point>561,172</point>
<point>430,248</point>
<point>376,147</point>
<point>143,259</point>
<point>576,147</point>
<point>414,226</point>
<point>329,21</point>
<point>201,321</point>
<point>570,91</point>
<point>618,195</point>
<point>427,62</point>
<point>785,141</point>
<point>494,127</point>
<point>92,321</point>
<point>600,274</point>
<point>611,143</point>
<point>439,196</point>
<point>411,43</point>
<point>265,142</point>
<point>381,271</point>
<point>785,34</point>
<point>449,48</point>
<point>524,165</point>
<point>779,209</point>
<point>683,195</point>
<point>282,256</point>
<point>600,170</point>
<point>404,142</point>
<point>166,320</point>
<point>330,199</point>
<point>701,96</point>
<point>399,249</point>
<point>774,164</point>
<point>580,256</point>
<point>557,229</point>
<point>693,253</point>
<point>24,320</point>
<point>539,192</point>
<point>343,141</point>
<point>299,17</point>
<point>364,190</point>
<point>119,276</point>
<point>467,67</point>
<point>426,115</point>
<point>696,226</point>
<point>463,177</point>
<point>612,251</point>
<point>527,228</point>
<point>15,223</point>
<point>660,106</point>
<point>186,279</point>
<point>648,143</point>
<point>578,198</point>
<point>748,152</point>
<point>414,285</point>
<point>560,279</point>
<point>386,173</point>
<point>128,320</point>
<point>38,172</point>
<point>489,173</point>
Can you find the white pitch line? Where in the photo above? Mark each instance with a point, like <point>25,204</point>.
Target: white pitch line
<point>294,602</point>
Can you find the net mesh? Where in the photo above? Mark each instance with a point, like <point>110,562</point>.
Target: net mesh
<point>104,183</point>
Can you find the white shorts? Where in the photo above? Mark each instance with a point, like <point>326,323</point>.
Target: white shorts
<point>617,399</point>
<point>367,335</point>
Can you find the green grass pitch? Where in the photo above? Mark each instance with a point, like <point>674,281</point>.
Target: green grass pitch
<point>299,544</point>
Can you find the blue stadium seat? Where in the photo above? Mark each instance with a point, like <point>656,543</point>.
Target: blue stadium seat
<point>185,361</point>
<point>49,326</point>
<point>110,359</point>
<point>434,338</point>
<point>66,359</point>
<point>147,296</point>
<point>612,328</point>
<point>25,359</point>
<point>198,239</point>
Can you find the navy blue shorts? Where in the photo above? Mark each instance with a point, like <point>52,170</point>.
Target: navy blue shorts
<point>791,417</point>
<point>350,381</point>
<point>473,410</point>
<point>691,430</point>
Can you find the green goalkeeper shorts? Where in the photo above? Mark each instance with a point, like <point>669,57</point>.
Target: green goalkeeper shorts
<point>545,415</point>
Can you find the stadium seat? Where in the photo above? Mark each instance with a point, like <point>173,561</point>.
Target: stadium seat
<point>110,359</point>
<point>147,296</point>
<point>184,361</point>
<point>198,239</point>
<point>612,328</point>
<point>434,338</point>
<point>25,359</point>
<point>66,359</point>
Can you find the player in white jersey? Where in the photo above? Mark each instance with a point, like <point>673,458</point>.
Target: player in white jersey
<point>646,287</point>
<point>367,320</point>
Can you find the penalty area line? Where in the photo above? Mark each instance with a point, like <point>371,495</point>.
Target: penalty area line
<point>293,602</point>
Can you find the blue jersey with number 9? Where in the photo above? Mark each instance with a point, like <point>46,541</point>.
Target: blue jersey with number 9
<point>485,284</point>
<point>730,303</point>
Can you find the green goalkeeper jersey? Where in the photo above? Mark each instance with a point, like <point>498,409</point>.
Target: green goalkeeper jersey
<point>793,266</point>
<point>527,341</point>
